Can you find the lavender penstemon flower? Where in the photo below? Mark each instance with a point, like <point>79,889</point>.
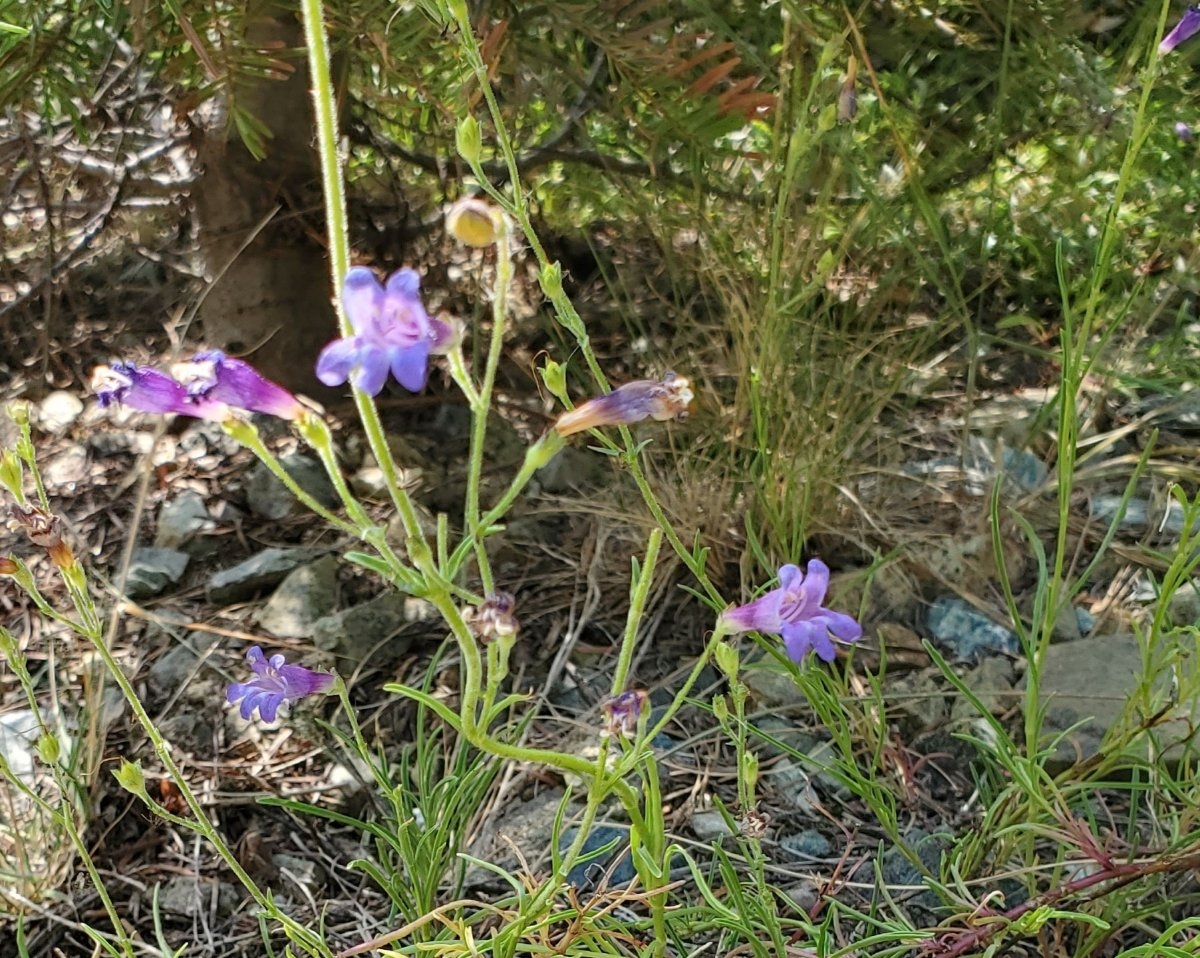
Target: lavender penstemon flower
<point>210,385</point>
<point>150,390</point>
<point>1187,27</point>
<point>663,399</point>
<point>274,683</point>
<point>392,332</point>
<point>213,376</point>
<point>794,611</point>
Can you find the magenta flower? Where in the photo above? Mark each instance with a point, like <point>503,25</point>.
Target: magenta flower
<point>663,399</point>
<point>275,682</point>
<point>794,611</point>
<point>392,332</point>
<point>1187,27</point>
<point>150,390</point>
<point>211,375</point>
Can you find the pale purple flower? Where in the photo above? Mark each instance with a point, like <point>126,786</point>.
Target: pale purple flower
<point>1187,27</point>
<point>663,399</point>
<point>150,390</point>
<point>275,682</point>
<point>392,332</point>
<point>1184,132</point>
<point>794,611</point>
<point>211,375</point>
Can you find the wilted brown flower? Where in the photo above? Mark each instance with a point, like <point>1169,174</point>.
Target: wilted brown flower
<point>493,619</point>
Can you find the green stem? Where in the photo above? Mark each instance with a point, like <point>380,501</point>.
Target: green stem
<point>483,402</point>
<point>637,605</point>
<point>540,453</point>
<point>325,110</point>
<point>248,436</point>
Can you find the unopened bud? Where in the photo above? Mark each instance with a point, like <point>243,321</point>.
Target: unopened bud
<point>468,141</point>
<point>474,223</point>
<point>130,777</point>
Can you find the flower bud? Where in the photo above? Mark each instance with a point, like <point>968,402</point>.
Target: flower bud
<point>130,777</point>
<point>474,223</point>
<point>48,748</point>
<point>468,141</point>
<point>18,412</point>
<point>727,659</point>
<point>10,473</point>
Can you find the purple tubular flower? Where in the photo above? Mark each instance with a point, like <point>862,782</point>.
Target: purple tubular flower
<point>392,332</point>
<point>211,375</point>
<point>663,399</point>
<point>151,391</point>
<point>275,682</point>
<point>794,611</point>
<point>1187,27</point>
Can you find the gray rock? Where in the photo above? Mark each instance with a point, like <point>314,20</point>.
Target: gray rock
<point>992,682</point>
<point>187,896</point>
<point>371,629</point>
<point>151,570</point>
<point>709,825</point>
<point>181,662</point>
<point>261,571</point>
<point>898,869</point>
<point>770,685</point>
<point>1088,683</point>
<point>775,735</point>
<point>527,825</point>
<point>19,733</point>
<point>918,698</point>
<point>58,410</point>
<point>966,633</point>
<point>570,470</point>
<point>67,467</point>
<point>977,471</point>
<point>792,785</point>
<point>612,868</point>
<point>1140,516</point>
<point>307,594</point>
<point>809,844</point>
<point>804,895</point>
<point>180,520</point>
<point>270,498</point>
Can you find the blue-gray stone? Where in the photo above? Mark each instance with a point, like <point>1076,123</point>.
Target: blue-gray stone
<point>809,843</point>
<point>966,633</point>
<point>1139,515</point>
<point>152,570</point>
<point>263,570</point>
<point>615,862</point>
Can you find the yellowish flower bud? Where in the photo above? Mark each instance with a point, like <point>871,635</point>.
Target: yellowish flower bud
<point>474,223</point>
